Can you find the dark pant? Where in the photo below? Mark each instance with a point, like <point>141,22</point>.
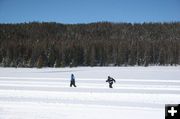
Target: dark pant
<point>110,85</point>
<point>72,84</point>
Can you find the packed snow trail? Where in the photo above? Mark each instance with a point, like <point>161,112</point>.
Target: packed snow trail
<point>45,93</point>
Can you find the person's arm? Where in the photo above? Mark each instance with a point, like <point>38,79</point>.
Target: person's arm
<point>114,80</point>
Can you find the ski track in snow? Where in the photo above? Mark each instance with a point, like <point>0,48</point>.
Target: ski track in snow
<point>22,96</point>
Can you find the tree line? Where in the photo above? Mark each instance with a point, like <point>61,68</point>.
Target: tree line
<point>50,44</point>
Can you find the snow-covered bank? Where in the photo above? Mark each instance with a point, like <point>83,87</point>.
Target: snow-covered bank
<point>151,72</point>
<point>140,92</point>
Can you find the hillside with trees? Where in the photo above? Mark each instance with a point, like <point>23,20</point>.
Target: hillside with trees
<point>96,44</point>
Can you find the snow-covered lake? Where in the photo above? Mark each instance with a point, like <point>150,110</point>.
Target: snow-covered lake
<point>139,92</point>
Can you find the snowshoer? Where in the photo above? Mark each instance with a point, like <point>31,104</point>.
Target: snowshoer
<point>72,83</point>
<point>110,80</point>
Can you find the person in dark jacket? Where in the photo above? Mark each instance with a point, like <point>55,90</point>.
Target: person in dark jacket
<point>110,80</point>
<point>72,83</point>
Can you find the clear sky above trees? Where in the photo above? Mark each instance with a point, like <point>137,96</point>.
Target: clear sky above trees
<point>85,11</point>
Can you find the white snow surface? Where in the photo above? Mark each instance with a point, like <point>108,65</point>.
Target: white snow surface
<point>139,92</point>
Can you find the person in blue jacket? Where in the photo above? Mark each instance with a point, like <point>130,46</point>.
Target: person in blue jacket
<point>72,83</point>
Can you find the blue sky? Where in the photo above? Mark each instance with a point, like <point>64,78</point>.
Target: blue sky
<point>86,11</point>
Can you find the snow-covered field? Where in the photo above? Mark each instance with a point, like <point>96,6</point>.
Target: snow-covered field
<point>140,92</point>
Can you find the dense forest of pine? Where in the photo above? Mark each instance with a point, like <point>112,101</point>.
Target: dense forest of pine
<point>96,44</point>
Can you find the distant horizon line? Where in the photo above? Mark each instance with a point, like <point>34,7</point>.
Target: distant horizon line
<point>93,22</point>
